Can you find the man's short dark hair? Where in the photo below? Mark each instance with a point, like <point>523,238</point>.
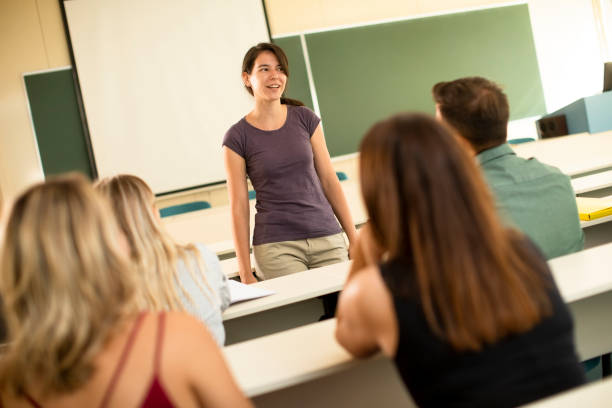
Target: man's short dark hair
<point>477,108</point>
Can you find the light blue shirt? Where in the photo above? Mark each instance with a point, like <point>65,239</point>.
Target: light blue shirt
<point>536,198</point>
<point>206,307</point>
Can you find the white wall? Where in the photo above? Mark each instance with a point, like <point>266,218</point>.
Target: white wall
<point>568,50</point>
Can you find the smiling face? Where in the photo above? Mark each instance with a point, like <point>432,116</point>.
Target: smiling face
<point>267,79</point>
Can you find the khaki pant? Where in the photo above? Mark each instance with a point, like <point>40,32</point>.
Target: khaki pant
<point>284,258</point>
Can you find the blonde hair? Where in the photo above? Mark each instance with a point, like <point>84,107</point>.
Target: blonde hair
<point>65,286</point>
<point>153,251</point>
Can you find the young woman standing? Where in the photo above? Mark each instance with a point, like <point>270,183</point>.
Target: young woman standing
<point>281,147</point>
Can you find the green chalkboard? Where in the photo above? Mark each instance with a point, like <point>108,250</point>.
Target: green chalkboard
<point>363,74</point>
<point>57,123</point>
<point>298,81</point>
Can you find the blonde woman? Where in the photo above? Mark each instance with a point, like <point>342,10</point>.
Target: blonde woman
<point>75,336</point>
<point>170,276</point>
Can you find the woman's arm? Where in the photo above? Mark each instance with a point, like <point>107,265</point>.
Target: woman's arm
<point>195,356</point>
<point>366,251</point>
<point>235,168</point>
<point>331,185</point>
<point>365,319</point>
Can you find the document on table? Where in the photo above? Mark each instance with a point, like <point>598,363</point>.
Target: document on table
<point>240,292</point>
<point>593,208</point>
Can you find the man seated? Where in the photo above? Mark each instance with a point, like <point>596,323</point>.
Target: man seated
<point>534,197</point>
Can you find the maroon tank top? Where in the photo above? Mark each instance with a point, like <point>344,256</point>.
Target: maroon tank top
<point>156,396</point>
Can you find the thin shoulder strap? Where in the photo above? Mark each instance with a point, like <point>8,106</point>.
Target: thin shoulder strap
<point>161,319</point>
<point>122,359</point>
<point>30,400</point>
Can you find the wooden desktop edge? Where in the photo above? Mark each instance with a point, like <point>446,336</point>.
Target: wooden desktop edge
<point>292,289</point>
<point>331,358</point>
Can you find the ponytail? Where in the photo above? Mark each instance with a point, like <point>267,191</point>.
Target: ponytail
<point>292,102</point>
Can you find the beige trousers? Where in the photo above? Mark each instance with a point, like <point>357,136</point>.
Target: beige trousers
<point>283,258</point>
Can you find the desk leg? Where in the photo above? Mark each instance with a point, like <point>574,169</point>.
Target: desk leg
<point>605,365</point>
<point>592,326</point>
<point>272,321</point>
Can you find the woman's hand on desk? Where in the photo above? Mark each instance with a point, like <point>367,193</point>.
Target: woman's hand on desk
<point>248,278</point>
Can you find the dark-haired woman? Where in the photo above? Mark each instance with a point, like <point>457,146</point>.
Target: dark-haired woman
<point>280,146</point>
<point>467,308</point>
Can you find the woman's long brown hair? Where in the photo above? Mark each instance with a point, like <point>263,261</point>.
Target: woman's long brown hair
<point>476,280</point>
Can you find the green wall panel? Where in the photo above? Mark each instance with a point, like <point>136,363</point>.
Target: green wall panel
<point>364,74</point>
<point>57,122</point>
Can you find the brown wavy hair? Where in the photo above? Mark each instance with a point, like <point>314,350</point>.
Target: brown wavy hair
<point>65,284</point>
<point>427,202</point>
<point>249,61</point>
<point>477,108</point>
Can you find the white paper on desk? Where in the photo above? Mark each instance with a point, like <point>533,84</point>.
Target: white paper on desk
<point>239,292</point>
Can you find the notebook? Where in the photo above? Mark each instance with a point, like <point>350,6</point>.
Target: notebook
<point>592,208</point>
<point>239,292</point>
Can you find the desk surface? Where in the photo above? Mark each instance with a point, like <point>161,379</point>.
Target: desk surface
<point>583,274</point>
<point>271,362</point>
<point>573,154</point>
<point>287,358</point>
<point>594,395</point>
<point>592,182</point>
<point>292,289</point>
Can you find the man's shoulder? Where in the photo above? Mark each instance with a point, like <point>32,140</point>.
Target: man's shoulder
<point>521,169</point>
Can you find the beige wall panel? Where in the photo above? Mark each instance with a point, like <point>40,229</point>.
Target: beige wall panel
<point>287,16</point>
<point>452,5</point>
<point>21,50</point>
<point>53,33</point>
<point>341,12</point>
<point>290,16</point>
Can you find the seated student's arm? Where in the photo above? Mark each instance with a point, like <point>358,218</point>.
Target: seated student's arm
<point>366,252</point>
<point>366,319</point>
<point>196,356</point>
<point>235,168</point>
<point>331,185</point>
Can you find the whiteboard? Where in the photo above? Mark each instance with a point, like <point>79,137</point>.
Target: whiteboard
<point>161,83</point>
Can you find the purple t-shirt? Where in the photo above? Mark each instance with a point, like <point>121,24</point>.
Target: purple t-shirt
<point>290,203</point>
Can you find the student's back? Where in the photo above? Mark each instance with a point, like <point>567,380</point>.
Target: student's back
<point>535,198</point>
<point>126,369</point>
<point>520,368</point>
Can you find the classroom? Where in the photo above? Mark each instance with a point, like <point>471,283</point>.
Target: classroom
<point>546,55</point>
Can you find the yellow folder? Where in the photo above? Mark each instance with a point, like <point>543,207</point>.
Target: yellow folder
<point>591,208</point>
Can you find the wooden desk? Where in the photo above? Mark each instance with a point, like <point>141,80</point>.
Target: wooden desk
<point>592,182</point>
<point>574,154</point>
<point>306,367</point>
<point>284,366</point>
<point>594,395</point>
<point>295,303</point>
<point>585,282</point>
<point>292,289</point>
